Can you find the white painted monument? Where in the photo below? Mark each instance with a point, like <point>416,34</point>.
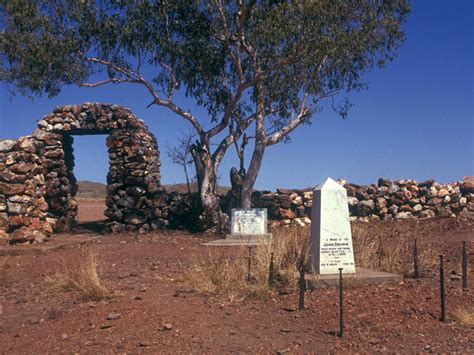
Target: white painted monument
<point>331,238</point>
<point>251,221</point>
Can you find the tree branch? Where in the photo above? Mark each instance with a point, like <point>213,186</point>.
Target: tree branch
<point>243,84</point>
<point>137,78</point>
<point>230,107</point>
<point>232,137</point>
<point>103,82</point>
<point>130,74</point>
<point>240,29</point>
<point>172,82</point>
<point>294,123</point>
<point>173,107</point>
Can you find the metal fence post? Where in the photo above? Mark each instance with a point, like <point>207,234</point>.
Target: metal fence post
<point>441,287</point>
<point>415,261</point>
<point>464,266</point>
<point>249,262</point>
<point>341,305</point>
<point>302,285</point>
<point>270,271</point>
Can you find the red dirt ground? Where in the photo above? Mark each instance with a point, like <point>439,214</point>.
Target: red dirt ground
<point>148,270</point>
<point>91,210</point>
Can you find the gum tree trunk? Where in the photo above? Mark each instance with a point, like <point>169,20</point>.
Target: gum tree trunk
<point>207,184</point>
<point>248,182</point>
<point>250,177</point>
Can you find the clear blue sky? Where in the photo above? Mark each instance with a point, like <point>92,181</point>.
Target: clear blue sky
<point>416,120</point>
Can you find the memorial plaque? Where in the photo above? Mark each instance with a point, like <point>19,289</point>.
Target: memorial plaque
<point>249,221</point>
<point>331,238</point>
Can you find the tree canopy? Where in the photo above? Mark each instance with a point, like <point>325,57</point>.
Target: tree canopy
<point>262,66</point>
<point>214,49</point>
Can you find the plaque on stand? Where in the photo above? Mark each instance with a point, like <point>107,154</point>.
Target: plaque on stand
<point>248,227</point>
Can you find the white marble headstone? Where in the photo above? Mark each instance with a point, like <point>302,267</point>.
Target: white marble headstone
<point>331,238</point>
<point>252,221</point>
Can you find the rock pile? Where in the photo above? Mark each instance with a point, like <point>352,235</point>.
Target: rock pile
<point>23,208</point>
<point>184,211</point>
<point>37,183</point>
<point>136,200</point>
<point>386,200</point>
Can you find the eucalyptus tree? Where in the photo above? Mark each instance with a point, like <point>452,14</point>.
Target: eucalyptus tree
<point>260,68</point>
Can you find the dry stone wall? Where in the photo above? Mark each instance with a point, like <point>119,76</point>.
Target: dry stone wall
<point>37,183</point>
<point>38,186</point>
<point>23,207</point>
<point>386,200</point>
<point>136,200</point>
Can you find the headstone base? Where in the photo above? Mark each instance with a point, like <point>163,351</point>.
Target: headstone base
<point>360,277</point>
<point>245,240</point>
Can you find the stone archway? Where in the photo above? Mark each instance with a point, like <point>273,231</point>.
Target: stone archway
<point>43,162</point>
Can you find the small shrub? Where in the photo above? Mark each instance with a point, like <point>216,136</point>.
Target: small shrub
<point>82,277</point>
<point>464,316</point>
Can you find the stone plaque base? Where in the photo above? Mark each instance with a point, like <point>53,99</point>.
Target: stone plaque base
<point>245,240</point>
<point>360,277</point>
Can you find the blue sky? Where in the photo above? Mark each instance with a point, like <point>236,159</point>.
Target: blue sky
<point>416,120</point>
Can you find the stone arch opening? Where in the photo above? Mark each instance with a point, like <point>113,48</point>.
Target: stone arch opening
<point>91,165</point>
<point>136,200</point>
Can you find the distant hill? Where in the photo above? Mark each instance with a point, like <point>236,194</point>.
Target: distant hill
<point>89,190</point>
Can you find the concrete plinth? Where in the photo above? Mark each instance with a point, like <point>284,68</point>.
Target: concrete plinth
<point>362,276</point>
<point>242,240</point>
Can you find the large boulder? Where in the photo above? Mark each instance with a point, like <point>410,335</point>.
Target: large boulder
<point>365,208</point>
<point>467,185</point>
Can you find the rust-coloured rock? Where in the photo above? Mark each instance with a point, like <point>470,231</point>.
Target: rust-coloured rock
<point>467,187</point>
<point>286,213</point>
<point>426,183</point>
<point>11,189</point>
<point>4,221</point>
<point>435,201</point>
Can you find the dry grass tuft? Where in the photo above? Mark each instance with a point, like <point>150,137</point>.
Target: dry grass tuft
<point>83,277</point>
<point>464,316</point>
<point>219,274</point>
<point>227,274</point>
<point>392,253</point>
<point>291,246</point>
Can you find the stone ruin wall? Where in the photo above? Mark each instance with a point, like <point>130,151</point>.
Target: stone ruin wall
<point>37,183</point>
<point>386,200</point>
<point>38,186</point>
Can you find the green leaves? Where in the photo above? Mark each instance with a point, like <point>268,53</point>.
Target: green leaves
<point>209,48</point>
<point>36,56</point>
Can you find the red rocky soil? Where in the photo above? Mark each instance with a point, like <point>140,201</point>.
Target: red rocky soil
<point>156,310</point>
